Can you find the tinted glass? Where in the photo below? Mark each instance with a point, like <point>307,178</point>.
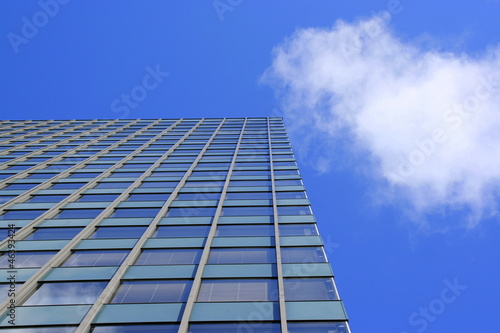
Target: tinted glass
<point>148,197</point>
<point>54,233</point>
<point>66,293</point>
<point>310,289</point>
<point>302,254</point>
<point>322,327</point>
<point>135,212</point>
<point>47,198</point>
<point>78,213</point>
<point>119,232</point>
<point>182,231</point>
<point>236,328</point>
<point>191,211</point>
<point>137,329</point>
<point>242,256</point>
<point>96,258</point>
<point>27,259</point>
<point>22,214</point>
<point>170,257</point>
<point>298,229</point>
<point>66,185</point>
<point>240,290</point>
<point>152,291</point>
<point>98,197</point>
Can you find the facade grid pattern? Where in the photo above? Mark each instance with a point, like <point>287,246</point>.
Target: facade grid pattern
<point>159,225</point>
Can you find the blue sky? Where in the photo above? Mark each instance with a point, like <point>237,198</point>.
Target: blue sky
<point>404,185</point>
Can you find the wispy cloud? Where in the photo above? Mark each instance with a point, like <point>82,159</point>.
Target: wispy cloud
<point>426,121</point>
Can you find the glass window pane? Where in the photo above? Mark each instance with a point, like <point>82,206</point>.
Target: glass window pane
<point>152,291</point>
<point>67,185</point>
<point>66,293</point>
<point>247,211</point>
<point>170,257</point>
<point>245,230</point>
<point>22,214</point>
<point>98,197</point>
<point>96,258</point>
<point>198,196</point>
<point>135,212</point>
<point>119,232</point>
<point>291,195</point>
<point>310,289</point>
<point>78,213</point>
<point>113,185</point>
<point>236,328</point>
<point>242,290</point>
<point>136,329</point>
<point>322,327</point>
<point>182,231</point>
<point>159,184</point>
<point>54,233</point>
<point>148,197</point>
<point>249,195</point>
<point>302,254</point>
<point>294,210</point>
<point>298,229</point>
<point>242,256</point>
<point>47,198</point>
<point>191,211</point>
<point>27,259</point>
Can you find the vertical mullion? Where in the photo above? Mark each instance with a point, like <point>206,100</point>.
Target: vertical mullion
<point>188,309</point>
<point>281,287</point>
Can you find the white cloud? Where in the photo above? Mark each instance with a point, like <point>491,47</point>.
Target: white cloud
<point>427,121</point>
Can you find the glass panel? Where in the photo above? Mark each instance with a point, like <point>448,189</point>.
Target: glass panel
<point>306,289</point>
<point>113,185</point>
<point>323,327</point>
<point>135,212</point>
<point>294,210</point>
<point>245,230</point>
<point>170,257</point>
<point>242,290</point>
<point>159,184</point>
<point>137,329</point>
<point>96,258</point>
<point>67,185</point>
<point>118,232</point>
<point>78,213</point>
<point>198,196</point>
<point>148,197</point>
<point>66,293</point>
<point>98,197</point>
<point>191,211</point>
<point>47,198</point>
<point>302,254</point>
<point>182,231</point>
<point>247,211</point>
<point>27,259</point>
<point>291,195</point>
<point>5,198</point>
<point>241,327</point>
<point>54,233</point>
<point>152,291</point>
<point>242,256</point>
<point>22,214</point>
<point>53,329</point>
<point>298,229</point>
<point>249,195</point>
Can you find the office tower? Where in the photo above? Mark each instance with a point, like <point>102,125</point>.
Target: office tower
<point>166,225</point>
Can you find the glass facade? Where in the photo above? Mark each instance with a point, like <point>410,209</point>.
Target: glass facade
<point>159,225</point>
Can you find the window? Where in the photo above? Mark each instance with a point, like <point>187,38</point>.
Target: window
<point>126,174</point>
<point>46,329</point>
<point>22,214</point>
<point>236,327</point>
<point>78,213</point>
<point>113,185</point>
<point>84,175</point>
<point>247,211</point>
<point>41,175</point>
<point>249,196</point>
<point>191,211</point>
<point>135,212</point>
<point>298,229</point>
<point>288,182</point>
<point>245,230</point>
<point>167,174</point>
<point>118,232</point>
<point>250,183</point>
<point>182,231</point>
<point>291,195</point>
<point>242,256</point>
<point>136,329</point>
<point>153,291</point>
<point>98,197</point>
<point>19,186</point>
<point>27,259</point>
<point>170,257</point>
<point>96,258</point>
<point>318,327</point>
<point>47,198</point>
<point>310,289</point>
<point>238,290</point>
<point>159,184</point>
<point>302,254</point>
<point>294,210</point>
<point>54,233</point>
<point>58,186</point>
<point>198,196</point>
<point>60,293</point>
<point>204,184</point>
<point>148,197</point>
